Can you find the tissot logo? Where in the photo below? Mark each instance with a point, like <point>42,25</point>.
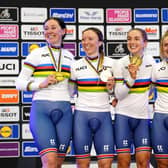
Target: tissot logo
<point>117,32</point>
<point>9,113</point>
<point>32,32</point>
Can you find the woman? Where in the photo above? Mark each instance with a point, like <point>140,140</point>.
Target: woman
<point>92,118</point>
<point>45,72</point>
<point>132,119</point>
<point>160,120</point>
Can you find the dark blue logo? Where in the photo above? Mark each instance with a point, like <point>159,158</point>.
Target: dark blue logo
<point>29,149</point>
<point>9,49</point>
<point>150,15</point>
<point>27,96</point>
<point>27,47</point>
<point>67,14</point>
<point>164,15</point>
<point>81,51</point>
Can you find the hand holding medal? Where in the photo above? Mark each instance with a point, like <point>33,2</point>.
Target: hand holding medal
<point>136,60</point>
<point>59,76</point>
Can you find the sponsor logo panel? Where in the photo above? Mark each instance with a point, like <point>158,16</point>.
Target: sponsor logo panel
<point>7,81</point>
<point>71,46</point>
<point>26,113</point>
<point>118,16</point>
<point>27,96</point>
<point>117,49</point>
<point>67,14</point>
<point>70,32</point>
<point>9,32</point>
<point>32,32</point>
<point>33,15</point>
<point>27,47</point>
<point>9,14</point>
<point>164,15</point>
<point>81,51</point>
<point>152,49</point>
<point>117,32</point>
<point>26,133</point>
<point>164,29</point>
<point>9,49</point>
<point>9,67</point>
<point>9,96</point>
<point>29,149</point>
<point>90,15</point>
<point>9,113</point>
<point>151,30</point>
<point>146,15</point>
<point>9,131</point>
<point>9,149</point>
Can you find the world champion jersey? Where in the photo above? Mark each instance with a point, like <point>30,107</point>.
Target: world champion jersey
<point>92,93</point>
<point>133,94</point>
<point>37,66</point>
<point>160,79</point>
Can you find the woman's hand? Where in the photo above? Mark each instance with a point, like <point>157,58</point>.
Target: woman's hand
<point>110,83</point>
<point>132,68</point>
<point>114,102</point>
<point>50,80</point>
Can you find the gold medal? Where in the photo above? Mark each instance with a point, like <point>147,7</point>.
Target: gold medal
<point>59,76</point>
<point>136,60</point>
<point>104,75</point>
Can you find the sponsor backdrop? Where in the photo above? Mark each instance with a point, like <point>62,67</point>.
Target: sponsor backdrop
<point>21,31</point>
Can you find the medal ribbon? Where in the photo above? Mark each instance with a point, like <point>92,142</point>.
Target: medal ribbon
<point>99,65</point>
<point>57,68</point>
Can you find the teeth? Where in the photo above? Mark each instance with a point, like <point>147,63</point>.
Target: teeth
<point>133,47</point>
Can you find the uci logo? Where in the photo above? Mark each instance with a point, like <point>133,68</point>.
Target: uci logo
<point>7,66</point>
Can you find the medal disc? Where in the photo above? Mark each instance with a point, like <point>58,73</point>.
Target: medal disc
<point>104,75</point>
<point>59,76</point>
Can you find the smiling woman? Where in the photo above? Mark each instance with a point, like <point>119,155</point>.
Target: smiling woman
<point>50,67</point>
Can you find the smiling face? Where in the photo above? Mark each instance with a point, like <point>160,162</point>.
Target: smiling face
<point>135,42</point>
<point>91,43</point>
<point>53,32</point>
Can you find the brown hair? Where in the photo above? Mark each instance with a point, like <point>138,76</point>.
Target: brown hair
<point>100,37</point>
<point>143,33</point>
<point>60,22</point>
